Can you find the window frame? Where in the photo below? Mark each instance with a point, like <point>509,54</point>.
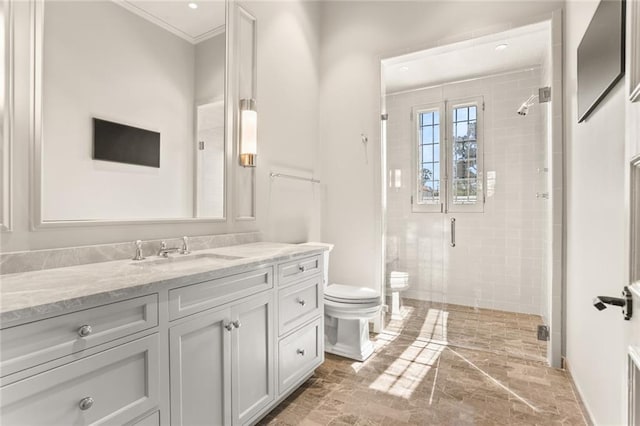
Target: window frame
<point>416,205</point>
<point>478,206</point>
<point>445,110</point>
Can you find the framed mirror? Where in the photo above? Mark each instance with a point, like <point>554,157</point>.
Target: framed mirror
<point>6,114</point>
<point>130,111</point>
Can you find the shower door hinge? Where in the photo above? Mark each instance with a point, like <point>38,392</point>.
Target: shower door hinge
<point>544,94</point>
<point>543,332</point>
<point>384,117</point>
<point>412,200</point>
<point>201,145</point>
<point>483,105</point>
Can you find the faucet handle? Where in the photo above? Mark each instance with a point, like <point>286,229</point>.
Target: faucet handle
<point>185,245</point>
<point>138,254</point>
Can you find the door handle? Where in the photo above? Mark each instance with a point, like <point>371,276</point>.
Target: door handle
<point>453,232</point>
<point>625,302</point>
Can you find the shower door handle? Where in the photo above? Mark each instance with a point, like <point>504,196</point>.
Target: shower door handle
<point>453,232</point>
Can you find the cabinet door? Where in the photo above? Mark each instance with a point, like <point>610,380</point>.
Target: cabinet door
<point>200,370</point>
<point>252,343</point>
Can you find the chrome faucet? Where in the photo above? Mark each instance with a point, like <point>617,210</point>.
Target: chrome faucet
<point>185,246</point>
<point>164,250</point>
<point>138,255</point>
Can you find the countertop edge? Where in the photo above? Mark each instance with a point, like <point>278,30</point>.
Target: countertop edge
<point>14,317</point>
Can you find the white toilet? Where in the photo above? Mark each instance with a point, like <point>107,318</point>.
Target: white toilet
<point>397,282</point>
<point>347,311</point>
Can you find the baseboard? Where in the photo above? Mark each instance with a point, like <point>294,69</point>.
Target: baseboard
<point>588,417</point>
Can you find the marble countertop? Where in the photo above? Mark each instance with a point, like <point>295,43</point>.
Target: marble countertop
<point>28,295</point>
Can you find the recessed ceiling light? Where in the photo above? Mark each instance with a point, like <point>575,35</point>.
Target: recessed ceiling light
<point>404,68</point>
<point>501,46</point>
<point>193,5</point>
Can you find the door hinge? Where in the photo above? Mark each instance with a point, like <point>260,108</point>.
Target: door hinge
<point>412,200</point>
<point>384,117</point>
<point>483,106</point>
<point>543,332</point>
<point>201,145</point>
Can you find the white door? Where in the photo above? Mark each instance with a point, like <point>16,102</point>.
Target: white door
<point>200,369</point>
<point>634,287</point>
<point>210,149</point>
<point>253,371</point>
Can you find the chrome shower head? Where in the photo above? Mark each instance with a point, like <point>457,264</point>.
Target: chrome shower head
<point>524,108</point>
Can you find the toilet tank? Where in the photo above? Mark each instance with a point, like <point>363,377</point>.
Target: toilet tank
<point>325,260</point>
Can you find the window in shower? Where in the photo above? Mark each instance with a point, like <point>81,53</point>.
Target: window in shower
<point>429,178</point>
<point>449,158</point>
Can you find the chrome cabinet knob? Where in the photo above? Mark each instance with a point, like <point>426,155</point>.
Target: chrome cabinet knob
<point>228,326</point>
<point>302,302</point>
<point>300,352</point>
<point>86,403</point>
<point>85,330</point>
<point>236,324</point>
<point>302,268</point>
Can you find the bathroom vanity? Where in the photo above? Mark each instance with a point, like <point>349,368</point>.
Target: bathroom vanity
<point>217,337</point>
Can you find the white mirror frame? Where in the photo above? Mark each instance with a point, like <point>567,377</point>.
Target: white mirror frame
<point>36,136</point>
<point>6,157</point>
<point>243,17</point>
<point>634,50</point>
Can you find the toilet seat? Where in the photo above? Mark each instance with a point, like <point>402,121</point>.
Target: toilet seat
<point>349,302</point>
<point>350,294</point>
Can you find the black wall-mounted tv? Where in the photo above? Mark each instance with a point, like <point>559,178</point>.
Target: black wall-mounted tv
<point>601,56</point>
<point>125,144</point>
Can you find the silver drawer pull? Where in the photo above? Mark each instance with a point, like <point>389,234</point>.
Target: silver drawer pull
<point>300,352</point>
<point>229,326</point>
<point>86,403</point>
<point>85,330</point>
<point>236,324</point>
<point>302,302</point>
<point>302,268</point>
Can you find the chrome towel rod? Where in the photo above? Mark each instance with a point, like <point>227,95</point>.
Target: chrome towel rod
<point>282,175</point>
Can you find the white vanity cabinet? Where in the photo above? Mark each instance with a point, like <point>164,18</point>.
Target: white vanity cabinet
<point>221,350</point>
<point>222,363</point>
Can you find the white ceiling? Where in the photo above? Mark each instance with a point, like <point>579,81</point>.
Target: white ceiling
<point>468,59</point>
<point>193,25</point>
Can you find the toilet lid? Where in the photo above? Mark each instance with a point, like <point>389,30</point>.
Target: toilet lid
<point>351,294</point>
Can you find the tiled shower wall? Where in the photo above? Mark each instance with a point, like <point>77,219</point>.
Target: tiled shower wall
<point>499,258</point>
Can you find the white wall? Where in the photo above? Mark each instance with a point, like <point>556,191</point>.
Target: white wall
<point>288,91</point>
<point>595,225</point>
<point>138,85</point>
<point>356,35</point>
<point>499,258</point>
<point>288,136</point>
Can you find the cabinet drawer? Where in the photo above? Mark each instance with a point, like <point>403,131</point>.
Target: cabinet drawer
<point>299,303</point>
<point>299,354</point>
<point>198,297</point>
<point>122,383</point>
<point>291,272</point>
<point>26,345</point>
<point>152,419</point>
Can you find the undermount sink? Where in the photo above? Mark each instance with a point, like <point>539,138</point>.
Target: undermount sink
<point>186,260</point>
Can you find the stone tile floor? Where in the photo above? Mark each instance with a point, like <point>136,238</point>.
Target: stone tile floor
<point>440,365</point>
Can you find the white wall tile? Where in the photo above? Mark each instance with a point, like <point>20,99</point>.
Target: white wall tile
<point>499,260</point>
